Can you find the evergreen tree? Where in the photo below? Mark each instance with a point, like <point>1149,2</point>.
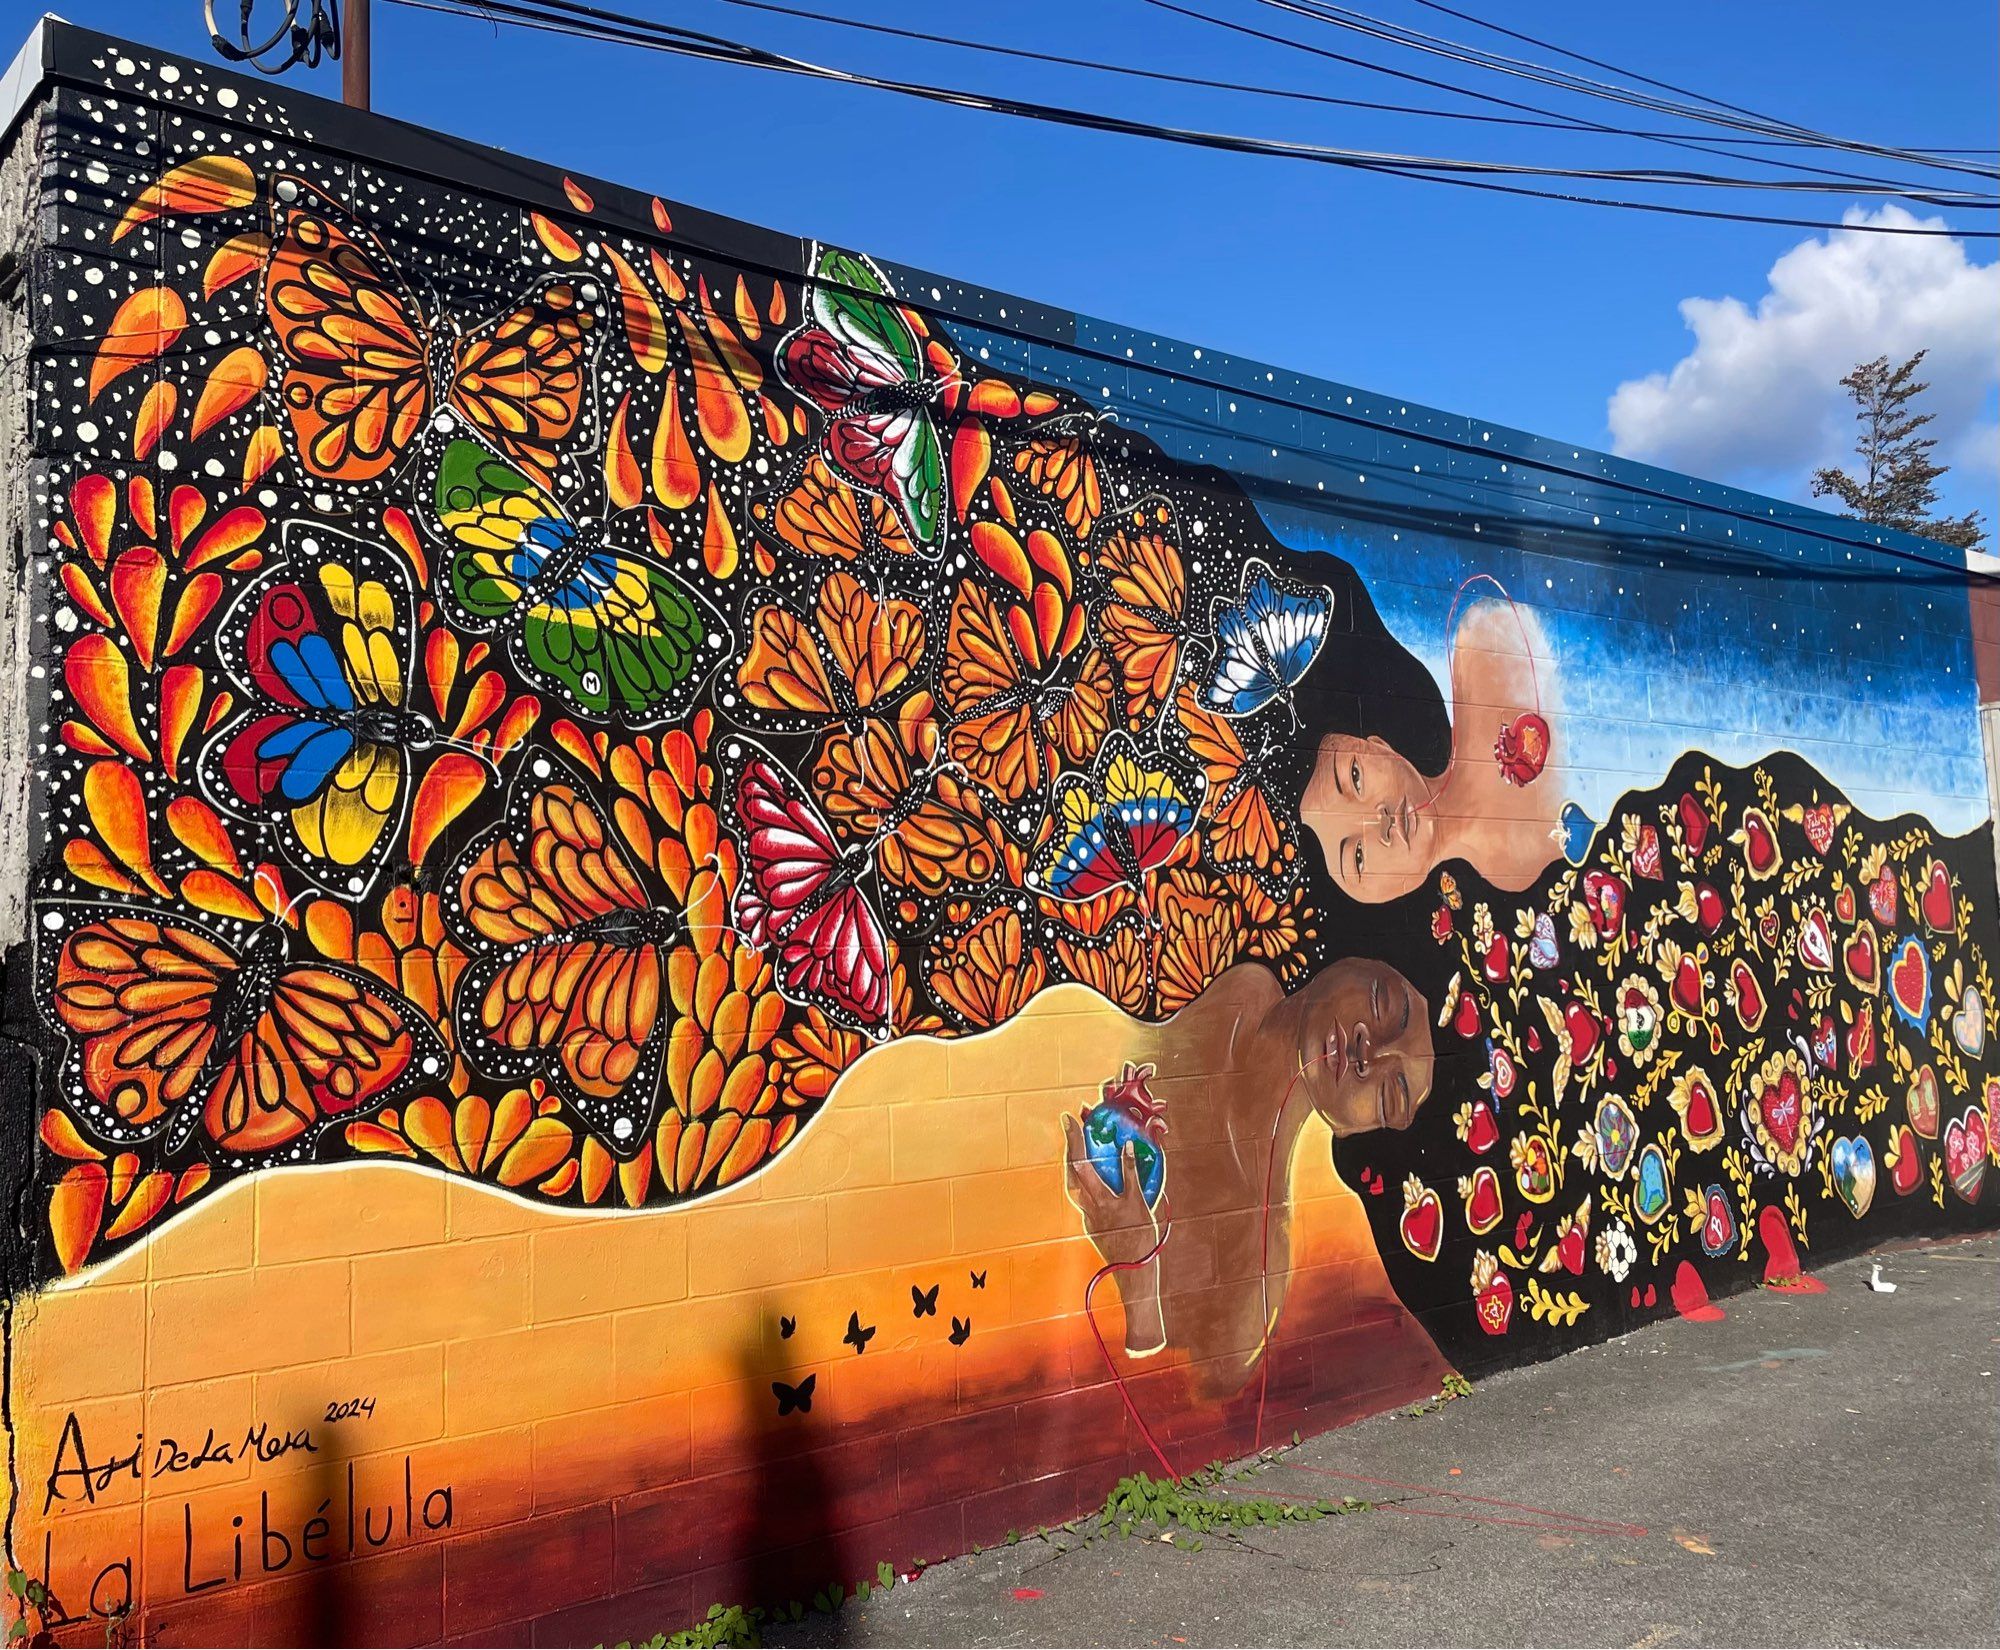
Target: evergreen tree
<point>1897,484</point>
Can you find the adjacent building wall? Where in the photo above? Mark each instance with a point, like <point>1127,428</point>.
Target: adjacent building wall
<point>701,913</point>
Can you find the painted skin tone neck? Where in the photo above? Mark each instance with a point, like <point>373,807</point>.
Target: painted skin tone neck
<point>1244,1070</point>
<point>1382,826</point>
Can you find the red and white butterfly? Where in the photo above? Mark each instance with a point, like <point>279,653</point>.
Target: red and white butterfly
<point>800,897</point>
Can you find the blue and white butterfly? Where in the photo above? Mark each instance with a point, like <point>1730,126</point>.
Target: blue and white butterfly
<point>1266,638</point>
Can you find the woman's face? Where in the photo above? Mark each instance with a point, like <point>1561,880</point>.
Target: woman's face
<point>1368,807</point>
<point>1364,1046</point>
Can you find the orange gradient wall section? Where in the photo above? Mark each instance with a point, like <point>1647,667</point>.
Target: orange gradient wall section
<point>540,1410</point>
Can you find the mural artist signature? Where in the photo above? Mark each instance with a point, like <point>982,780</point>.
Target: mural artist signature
<point>75,1474</point>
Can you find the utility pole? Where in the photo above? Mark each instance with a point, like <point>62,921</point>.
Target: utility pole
<point>354,54</point>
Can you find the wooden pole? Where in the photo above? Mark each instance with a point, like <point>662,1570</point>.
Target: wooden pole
<point>354,54</point>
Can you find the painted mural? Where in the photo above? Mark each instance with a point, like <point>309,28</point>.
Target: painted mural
<point>648,762</point>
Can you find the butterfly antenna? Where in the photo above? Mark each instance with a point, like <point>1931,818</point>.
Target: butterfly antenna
<point>281,909</point>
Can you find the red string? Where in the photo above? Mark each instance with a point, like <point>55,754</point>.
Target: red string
<point>1104,1350</point>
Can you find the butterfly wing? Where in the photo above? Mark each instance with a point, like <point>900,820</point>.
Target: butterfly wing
<point>985,691</point>
<point>853,301</point>
<point>931,832</point>
<point>1242,829</point>
<point>522,378</point>
<point>316,648</point>
<point>1142,619</point>
<point>795,899</point>
<point>855,655</point>
<point>1061,464</point>
<point>355,385</point>
<point>823,516</point>
<point>329,1045</point>
<point>568,959</point>
<point>1291,620</point>
<point>1147,806</point>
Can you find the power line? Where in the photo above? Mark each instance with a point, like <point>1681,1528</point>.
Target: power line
<point>1341,17</point>
<point>589,22</point>
<point>1553,121</point>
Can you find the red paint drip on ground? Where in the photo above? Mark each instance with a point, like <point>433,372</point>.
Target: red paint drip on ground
<point>1783,1271</point>
<point>1024,1593</point>
<point>1691,1296</point>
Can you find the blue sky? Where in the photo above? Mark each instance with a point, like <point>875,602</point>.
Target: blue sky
<point>1526,313</point>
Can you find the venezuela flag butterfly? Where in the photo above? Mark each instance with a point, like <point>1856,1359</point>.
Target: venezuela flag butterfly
<point>609,630</point>
<point>798,897</point>
<point>871,367</point>
<point>1126,820</point>
<point>321,653</point>
<point>364,367</point>
<point>568,943</point>
<point>175,1026</point>
<point>1266,638</point>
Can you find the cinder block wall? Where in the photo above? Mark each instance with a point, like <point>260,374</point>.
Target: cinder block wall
<point>696,913</point>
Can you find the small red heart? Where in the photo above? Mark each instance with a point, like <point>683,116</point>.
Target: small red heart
<point>1760,842</point>
<point>1816,942</point>
<point>1910,980</point>
<point>1905,1160</point>
<point>1819,822</point>
<point>1422,1224</point>
<point>1936,906</point>
<point>1708,908</point>
<point>1768,929</point>
<point>1522,1228</point>
<point>1505,1073</point>
<point>1782,1105</point>
<point>1694,822</point>
<point>1652,1299</point>
<point>1466,1024</point>
<point>1749,996</point>
<point>1861,1042</point>
<point>1482,1134</point>
<point>1862,961</point>
<point>1495,962</point>
<point>1569,1251</point>
<point>1687,986</point>
<point>1495,1304</point>
<point>1584,1032</point>
<point>1482,1201</point>
<point>1843,903</point>
<point>1534,1040</point>
<point>1701,1118</point>
<point>1604,897</point>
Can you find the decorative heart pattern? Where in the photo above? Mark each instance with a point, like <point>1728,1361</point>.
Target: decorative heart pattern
<point>1585,1032</point>
<point>1482,1132</point>
<point>1466,1021</point>
<point>1861,1042</point>
<point>1718,1227</point>
<point>1936,906</point>
<point>1781,1104</point>
<point>1687,987</point>
<point>1694,822</point>
<point>1905,1160</point>
<point>1921,1099</point>
<point>1825,1043</point>
<point>1818,822</point>
<point>1542,951</point>
<point>1604,896</point>
<point>1910,981</point>
<point>1760,843</point>
<point>1816,942</point>
<point>1843,902</point>
<point>1862,960</point>
<point>1534,1173</point>
<point>1481,1192</point>
<point>1769,928</point>
<point>1505,1073</point>
<point>1701,1116</point>
<point>1854,1173</point>
<point>1746,996</point>
<point>1617,1134</point>
<point>1708,907</point>
<point>1494,1304</point>
<point>1494,964</point>
<point>1968,1023</point>
<point>1646,853</point>
<point>1422,1224</point>
<point>1965,1146</point>
<point>1882,898</point>
<point>1649,1196</point>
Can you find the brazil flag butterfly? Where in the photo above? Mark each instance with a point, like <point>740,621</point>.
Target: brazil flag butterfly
<point>320,651</point>
<point>568,942</point>
<point>798,896</point>
<point>608,629</point>
<point>364,366</point>
<point>1129,818</point>
<point>871,367</point>
<point>177,1028</point>
<point>1266,638</point>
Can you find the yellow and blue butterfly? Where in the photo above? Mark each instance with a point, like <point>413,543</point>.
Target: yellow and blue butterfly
<point>610,631</point>
<point>1129,818</point>
<point>320,651</point>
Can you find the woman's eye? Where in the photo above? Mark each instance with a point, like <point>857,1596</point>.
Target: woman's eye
<point>1354,777</point>
<point>1357,859</point>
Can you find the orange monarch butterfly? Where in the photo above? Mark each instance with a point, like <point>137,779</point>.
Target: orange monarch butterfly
<point>823,516</point>
<point>1142,619</point>
<point>1240,829</point>
<point>855,654</point>
<point>568,945</point>
<point>988,969</point>
<point>1014,711</point>
<point>364,366</point>
<point>1060,460</point>
<point>176,1026</point>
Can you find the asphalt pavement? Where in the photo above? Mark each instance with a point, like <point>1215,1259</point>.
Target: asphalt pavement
<point>1813,1469</point>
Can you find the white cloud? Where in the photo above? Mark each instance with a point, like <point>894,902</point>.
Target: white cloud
<point>1758,400</point>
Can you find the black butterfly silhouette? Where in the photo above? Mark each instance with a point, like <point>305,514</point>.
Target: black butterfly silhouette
<point>923,1302</point>
<point>798,1397</point>
<point>979,1280</point>
<point>856,1336</point>
<point>961,1331</point>
<point>786,1326</point>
